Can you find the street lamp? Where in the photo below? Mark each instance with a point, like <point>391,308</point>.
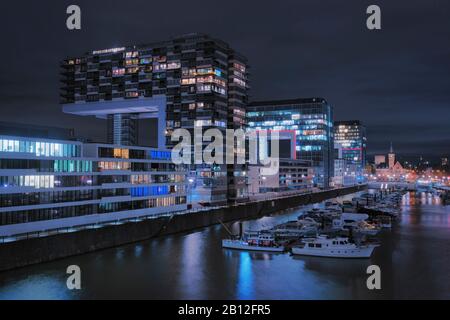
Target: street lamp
<point>191,181</point>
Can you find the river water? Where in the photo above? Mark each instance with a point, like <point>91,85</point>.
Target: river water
<point>414,258</point>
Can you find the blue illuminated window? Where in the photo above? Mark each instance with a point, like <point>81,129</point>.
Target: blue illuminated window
<point>161,155</point>
<point>149,191</point>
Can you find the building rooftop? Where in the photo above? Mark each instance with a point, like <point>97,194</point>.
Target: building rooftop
<point>287,102</point>
<point>348,123</point>
<point>179,39</point>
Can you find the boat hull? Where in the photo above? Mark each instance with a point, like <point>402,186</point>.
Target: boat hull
<point>241,245</point>
<point>369,232</point>
<point>361,252</point>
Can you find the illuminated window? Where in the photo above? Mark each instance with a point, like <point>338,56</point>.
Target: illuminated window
<point>119,71</point>
<point>146,60</point>
<point>132,94</point>
<point>173,65</point>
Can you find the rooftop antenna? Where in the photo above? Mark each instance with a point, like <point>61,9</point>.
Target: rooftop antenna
<point>392,149</point>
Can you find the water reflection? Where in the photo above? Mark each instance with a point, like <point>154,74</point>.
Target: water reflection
<point>414,259</point>
<point>191,271</point>
<point>245,278</point>
<point>137,251</point>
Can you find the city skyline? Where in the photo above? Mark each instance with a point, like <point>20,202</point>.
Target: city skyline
<point>394,80</point>
<point>212,154</point>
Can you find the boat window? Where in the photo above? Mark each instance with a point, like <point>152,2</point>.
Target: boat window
<point>341,242</point>
<point>318,245</point>
<point>311,245</point>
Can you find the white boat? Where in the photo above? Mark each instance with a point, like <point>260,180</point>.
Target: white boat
<point>321,212</point>
<point>333,205</point>
<point>339,247</point>
<point>346,220</point>
<point>255,241</point>
<point>357,223</point>
<point>363,200</point>
<point>244,245</point>
<point>363,227</point>
<point>384,222</point>
<point>296,229</point>
<point>347,206</point>
<point>384,209</point>
<point>387,225</point>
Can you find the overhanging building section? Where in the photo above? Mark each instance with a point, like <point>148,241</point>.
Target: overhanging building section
<point>123,115</point>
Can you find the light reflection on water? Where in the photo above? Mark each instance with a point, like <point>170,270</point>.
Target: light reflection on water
<point>414,259</point>
<point>245,281</point>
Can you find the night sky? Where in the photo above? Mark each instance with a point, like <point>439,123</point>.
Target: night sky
<point>396,80</point>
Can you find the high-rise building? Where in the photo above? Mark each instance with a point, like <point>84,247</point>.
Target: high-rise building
<point>309,120</point>
<point>339,172</point>
<point>48,184</point>
<point>346,172</point>
<point>187,82</point>
<point>351,137</point>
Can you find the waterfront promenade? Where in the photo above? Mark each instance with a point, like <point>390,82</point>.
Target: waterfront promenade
<point>59,245</point>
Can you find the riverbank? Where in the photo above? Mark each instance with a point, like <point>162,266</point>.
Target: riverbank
<point>38,250</point>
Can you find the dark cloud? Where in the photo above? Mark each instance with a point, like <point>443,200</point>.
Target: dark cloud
<point>395,80</point>
<point>414,139</point>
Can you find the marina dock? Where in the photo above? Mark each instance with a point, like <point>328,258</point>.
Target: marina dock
<point>36,249</point>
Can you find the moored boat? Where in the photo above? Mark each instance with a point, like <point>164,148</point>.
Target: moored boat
<point>296,229</point>
<point>339,247</point>
<point>383,221</point>
<point>255,241</point>
<point>357,222</point>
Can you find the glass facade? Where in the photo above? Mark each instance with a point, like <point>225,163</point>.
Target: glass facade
<point>83,183</point>
<point>33,215</point>
<point>311,120</point>
<point>350,137</point>
<point>39,148</point>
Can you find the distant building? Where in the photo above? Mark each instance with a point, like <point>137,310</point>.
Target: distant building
<point>293,175</point>
<point>391,158</point>
<point>310,121</point>
<point>351,136</point>
<point>346,173</point>
<point>339,171</point>
<point>380,159</point>
<point>393,170</point>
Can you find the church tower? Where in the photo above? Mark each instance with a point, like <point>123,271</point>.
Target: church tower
<point>391,157</point>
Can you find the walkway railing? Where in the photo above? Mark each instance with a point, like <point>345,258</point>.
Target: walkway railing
<point>51,232</point>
